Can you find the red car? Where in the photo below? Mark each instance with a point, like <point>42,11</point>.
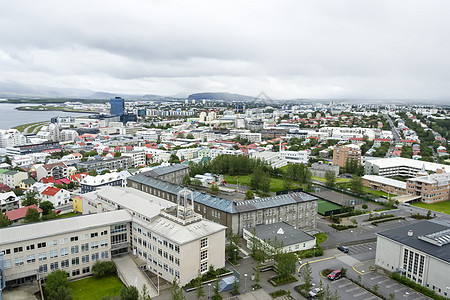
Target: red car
<point>335,275</point>
<point>58,211</point>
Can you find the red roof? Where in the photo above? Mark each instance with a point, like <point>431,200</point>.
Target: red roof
<point>382,140</point>
<point>17,214</point>
<point>48,179</point>
<point>78,177</point>
<point>356,139</point>
<point>50,191</point>
<point>63,181</point>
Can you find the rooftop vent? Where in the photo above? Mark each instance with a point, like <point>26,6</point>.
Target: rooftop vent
<point>410,233</point>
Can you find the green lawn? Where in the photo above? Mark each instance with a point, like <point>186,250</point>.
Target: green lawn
<point>324,206</point>
<point>338,180</point>
<point>276,184</point>
<point>439,207</point>
<point>93,288</point>
<point>320,237</point>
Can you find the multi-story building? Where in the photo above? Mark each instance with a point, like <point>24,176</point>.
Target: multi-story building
<point>8,201</point>
<point>343,154</point>
<point>32,148</point>
<point>431,188</point>
<point>173,173</point>
<point>117,106</point>
<point>297,209</point>
<point>172,239</point>
<point>319,169</point>
<point>399,166</point>
<point>420,251</point>
<point>295,157</point>
<point>106,164</point>
<point>55,195</point>
<point>387,185</point>
<point>138,158</point>
<point>92,183</point>
<point>11,138</point>
<point>57,170</point>
<point>12,178</point>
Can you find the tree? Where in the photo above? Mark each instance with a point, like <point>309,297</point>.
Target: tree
<point>103,268</point>
<point>4,221</point>
<point>144,293</point>
<point>174,159</point>
<point>18,192</point>
<point>356,185</point>
<point>129,293</point>
<point>216,294</point>
<point>32,215</point>
<point>330,178</point>
<point>46,207</point>
<point>105,172</point>
<point>327,293</point>
<point>235,286</point>
<point>255,180</point>
<point>186,180</point>
<point>7,160</point>
<point>57,286</point>
<point>257,276</point>
<point>336,296</point>
<point>176,291</point>
<point>285,263</point>
<point>307,276</point>
<point>30,199</point>
<point>117,154</point>
<point>265,183</point>
<point>181,135</point>
<point>249,194</point>
<point>233,247</point>
<point>199,291</point>
<point>92,173</point>
<point>214,188</point>
<point>196,182</point>
<point>190,136</point>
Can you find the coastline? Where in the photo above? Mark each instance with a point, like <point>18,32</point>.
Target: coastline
<point>43,108</point>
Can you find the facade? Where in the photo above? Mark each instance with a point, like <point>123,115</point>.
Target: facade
<point>342,154</point>
<point>172,239</point>
<point>8,201</point>
<point>420,251</point>
<point>12,178</point>
<point>32,251</point>
<point>318,169</point>
<point>117,106</point>
<point>106,164</point>
<point>92,183</point>
<point>387,185</point>
<point>57,170</point>
<point>282,234</point>
<point>296,209</point>
<point>55,195</point>
<point>173,173</point>
<point>32,148</point>
<point>399,166</point>
<point>11,138</point>
<point>295,157</point>
<point>431,188</point>
<point>138,158</point>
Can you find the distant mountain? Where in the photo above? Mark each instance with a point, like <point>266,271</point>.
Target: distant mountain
<point>18,90</point>
<point>220,96</point>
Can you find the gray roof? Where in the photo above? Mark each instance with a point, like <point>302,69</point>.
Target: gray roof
<point>416,241</point>
<point>225,205</point>
<point>159,171</point>
<point>283,232</point>
<point>49,228</point>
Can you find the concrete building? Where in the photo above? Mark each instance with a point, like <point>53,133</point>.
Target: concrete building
<point>171,173</point>
<point>117,106</point>
<point>343,154</point>
<point>172,239</point>
<point>431,188</point>
<point>399,166</point>
<point>57,170</point>
<point>106,164</point>
<point>12,178</point>
<point>420,251</point>
<point>295,157</point>
<point>282,234</point>
<point>318,169</point>
<point>297,209</point>
<point>8,201</point>
<point>387,185</point>
<point>92,183</point>
<point>11,138</point>
<point>138,158</point>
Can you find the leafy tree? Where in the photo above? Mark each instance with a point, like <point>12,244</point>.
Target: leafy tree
<point>330,178</point>
<point>249,194</point>
<point>30,199</point>
<point>196,182</point>
<point>356,185</point>
<point>32,215</point>
<point>216,294</point>
<point>18,192</point>
<point>7,160</point>
<point>57,286</point>
<point>144,293</point>
<point>265,183</point>
<point>235,286</point>
<point>285,262</point>
<point>199,291</point>
<point>214,188</point>
<point>257,276</point>
<point>174,159</point>
<point>181,135</point>
<point>129,293</point>
<point>255,180</point>
<point>307,276</point>
<point>4,221</point>
<point>105,172</point>
<point>92,173</point>
<point>186,180</point>
<point>46,207</point>
<point>190,136</point>
<point>176,291</point>
<point>233,247</point>
<point>103,268</point>
<point>327,293</point>
<point>336,296</point>
<point>117,154</point>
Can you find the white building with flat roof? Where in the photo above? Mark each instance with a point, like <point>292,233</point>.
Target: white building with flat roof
<point>399,166</point>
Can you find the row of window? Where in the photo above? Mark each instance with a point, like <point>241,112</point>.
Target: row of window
<point>155,238</point>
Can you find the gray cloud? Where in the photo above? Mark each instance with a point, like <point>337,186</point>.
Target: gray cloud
<point>335,48</point>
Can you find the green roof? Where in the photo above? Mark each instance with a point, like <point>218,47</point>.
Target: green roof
<point>3,171</point>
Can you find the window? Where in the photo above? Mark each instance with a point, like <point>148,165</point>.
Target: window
<point>65,263</point>
<point>94,245</point>
<point>18,249</point>
<point>165,243</point>
<point>64,251</point>
<point>64,241</point>
<point>74,249</point>
<point>104,254</point>
<point>30,247</point>
<point>204,267</point>
<point>76,272</point>
<point>54,266</point>
<point>8,264</point>
<point>31,258</point>
<point>94,256</point>
<point>85,270</point>
<point>18,261</point>
<point>41,245</point>
<point>94,234</point>
<point>204,243</point>
<point>84,237</point>
<point>75,261</point>
<point>104,232</point>
<point>177,261</point>
<point>43,268</point>
<point>85,259</point>
<point>104,243</point>
<point>53,243</point>
<point>177,274</point>
<point>204,255</point>
<point>42,256</point>
<point>84,247</point>
<point>171,257</point>
<point>177,249</point>
<point>74,239</point>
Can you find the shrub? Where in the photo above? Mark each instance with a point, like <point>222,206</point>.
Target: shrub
<point>342,227</point>
<point>280,280</point>
<point>103,268</point>
<point>57,286</point>
<point>387,220</point>
<point>380,217</point>
<point>325,272</point>
<point>415,286</point>
<point>278,293</point>
<point>310,252</point>
<point>365,206</point>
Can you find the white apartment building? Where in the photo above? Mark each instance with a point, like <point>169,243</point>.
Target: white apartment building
<point>138,158</point>
<point>68,135</point>
<point>11,138</point>
<point>149,135</point>
<point>399,166</point>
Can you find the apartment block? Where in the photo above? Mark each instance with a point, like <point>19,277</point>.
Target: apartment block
<point>387,185</point>
<point>342,154</point>
<point>431,188</point>
<point>399,166</point>
<point>57,170</point>
<point>108,164</point>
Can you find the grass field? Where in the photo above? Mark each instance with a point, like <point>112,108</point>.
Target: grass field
<point>338,180</point>
<point>320,237</point>
<point>93,288</point>
<point>439,207</point>
<point>276,184</point>
<point>324,206</point>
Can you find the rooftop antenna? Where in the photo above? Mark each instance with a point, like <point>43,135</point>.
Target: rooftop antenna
<point>183,200</point>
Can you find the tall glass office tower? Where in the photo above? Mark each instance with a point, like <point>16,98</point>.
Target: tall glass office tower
<point>117,106</point>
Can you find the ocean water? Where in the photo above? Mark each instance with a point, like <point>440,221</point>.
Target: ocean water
<point>10,117</point>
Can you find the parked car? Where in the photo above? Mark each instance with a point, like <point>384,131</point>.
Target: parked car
<point>343,249</point>
<point>314,293</point>
<point>58,211</point>
<point>335,275</point>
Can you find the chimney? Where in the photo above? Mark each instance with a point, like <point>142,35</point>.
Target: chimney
<point>99,208</point>
<point>410,232</point>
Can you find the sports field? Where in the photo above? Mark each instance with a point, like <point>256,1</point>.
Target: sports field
<point>324,206</point>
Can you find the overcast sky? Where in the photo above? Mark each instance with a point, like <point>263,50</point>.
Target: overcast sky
<point>288,49</point>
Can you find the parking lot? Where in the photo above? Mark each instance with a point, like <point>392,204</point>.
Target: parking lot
<point>349,290</point>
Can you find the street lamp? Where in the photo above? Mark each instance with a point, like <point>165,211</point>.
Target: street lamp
<point>314,251</point>
<point>362,278</point>
<point>353,233</point>
<point>235,256</point>
<point>245,285</point>
<point>209,290</point>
